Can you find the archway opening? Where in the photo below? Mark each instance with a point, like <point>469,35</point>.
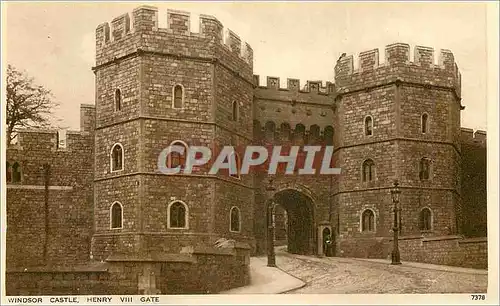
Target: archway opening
<point>299,221</point>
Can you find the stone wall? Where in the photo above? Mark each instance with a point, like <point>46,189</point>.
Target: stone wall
<point>474,179</point>
<point>213,272</point>
<point>362,247</point>
<point>208,220</point>
<point>93,279</point>
<point>54,225</point>
<point>448,250</point>
<point>309,106</point>
<point>445,250</point>
<point>196,271</point>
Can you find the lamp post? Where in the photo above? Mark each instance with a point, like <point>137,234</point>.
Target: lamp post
<point>395,192</point>
<point>271,256</point>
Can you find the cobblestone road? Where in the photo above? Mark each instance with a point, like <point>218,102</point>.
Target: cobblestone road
<point>336,275</point>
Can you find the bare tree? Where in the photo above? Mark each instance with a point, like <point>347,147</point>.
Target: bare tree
<point>28,104</point>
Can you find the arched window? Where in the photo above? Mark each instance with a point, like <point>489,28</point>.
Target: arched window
<point>177,215</point>
<point>368,126</point>
<point>178,96</point>
<point>285,131</point>
<point>368,221</point>
<point>175,159</point>
<point>313,134</point>
<point>235,219</point>
<point>118,100</point>
<point>424,169</point>
<point>299,134</point>
<point>8,172</point>
<point>425,219</point>
<point>236,111</point>
<point>269,130</point>
<point>238,165</point>
<point>116,157</point>
<point>16,172</point>
<point>328,135</point>
<point>116,215</point>
<point>106,32</point>
<point>368,170</point>
<point>425,123</point>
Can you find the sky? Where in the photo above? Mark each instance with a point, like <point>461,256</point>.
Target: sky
<point>55,42</point>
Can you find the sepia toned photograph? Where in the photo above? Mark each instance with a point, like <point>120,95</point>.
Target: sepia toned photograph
<point>168,152</point>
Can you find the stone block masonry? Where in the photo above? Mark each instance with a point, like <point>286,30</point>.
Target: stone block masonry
<point>446,250</point>
<point>194,271</point>
<point>412,112</point>
<point>212,74</point>
<point>155,86</point>
<point>49,214</point>
<point>473,181</point>
<point>450,250</point>
<point>175,85</point>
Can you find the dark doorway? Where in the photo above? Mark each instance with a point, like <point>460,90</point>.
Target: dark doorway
<point>327,241</point>
<point>300,229</point>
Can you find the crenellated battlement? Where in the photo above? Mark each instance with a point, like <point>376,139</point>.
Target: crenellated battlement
<point>293,85</point>
<point>144,21</point>
<point>468,135</point>
<point>52,140</point>
<point>397,54</point>
<point>398,63</point>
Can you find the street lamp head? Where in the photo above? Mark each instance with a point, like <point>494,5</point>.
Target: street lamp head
<point>395,192</point>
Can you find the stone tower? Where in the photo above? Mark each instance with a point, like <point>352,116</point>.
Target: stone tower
<point>156,87</point>
<point>399,120</point>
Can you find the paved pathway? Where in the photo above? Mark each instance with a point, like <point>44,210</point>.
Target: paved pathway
<point>336,275</point>
<point>266,280</point>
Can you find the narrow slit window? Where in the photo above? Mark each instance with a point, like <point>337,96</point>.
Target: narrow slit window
<point>424,169</point>
<point>236,110</point>
<point>237,165</point>
<point>178,96</point>
<point>368,126</point>
<point>235,225</point>
<point>118,100</point>
<point>425,123</point>
<point>117,157</point>
<point>368,170</point>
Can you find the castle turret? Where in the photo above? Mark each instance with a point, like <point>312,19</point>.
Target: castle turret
<point>157,87</point>
<point>399,120</point>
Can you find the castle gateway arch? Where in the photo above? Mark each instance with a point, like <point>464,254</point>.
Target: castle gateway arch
<point>300,228</point>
